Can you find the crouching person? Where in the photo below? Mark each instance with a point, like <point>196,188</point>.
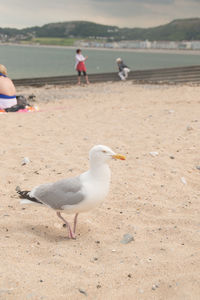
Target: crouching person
<point>123,69</point>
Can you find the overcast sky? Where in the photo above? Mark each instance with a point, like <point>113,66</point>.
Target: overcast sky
<point>122,13</point>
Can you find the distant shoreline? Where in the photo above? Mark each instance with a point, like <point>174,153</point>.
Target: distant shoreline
<point>188,52</point>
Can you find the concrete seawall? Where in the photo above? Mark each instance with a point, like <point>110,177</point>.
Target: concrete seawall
<point>176,75</point>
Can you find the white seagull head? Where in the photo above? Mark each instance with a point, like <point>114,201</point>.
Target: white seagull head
<point>101,154</point>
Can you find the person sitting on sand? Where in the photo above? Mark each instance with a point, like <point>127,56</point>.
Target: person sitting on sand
<point>7,90</point>
<point>80,66</point>
<point>123,69</point>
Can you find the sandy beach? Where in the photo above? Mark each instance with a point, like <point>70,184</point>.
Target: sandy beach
<point>154,194</point>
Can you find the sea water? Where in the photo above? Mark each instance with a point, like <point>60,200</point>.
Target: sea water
<point>43,61</point>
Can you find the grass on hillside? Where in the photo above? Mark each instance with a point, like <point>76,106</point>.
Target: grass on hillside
<point>58,41</point>
<point>54,41</point>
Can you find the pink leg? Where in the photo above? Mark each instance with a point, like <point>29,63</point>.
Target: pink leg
<point>75,222</point>
<point>71,234</point>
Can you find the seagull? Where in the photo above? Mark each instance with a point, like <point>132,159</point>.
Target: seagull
<point>76,194</point>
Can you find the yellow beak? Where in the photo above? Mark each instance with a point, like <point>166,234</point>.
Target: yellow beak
<point>119,156</point>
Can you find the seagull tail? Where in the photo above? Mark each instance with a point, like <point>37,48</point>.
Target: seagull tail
<point>24,195</point>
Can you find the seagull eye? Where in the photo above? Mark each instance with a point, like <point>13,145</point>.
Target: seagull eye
<point>104,151</point>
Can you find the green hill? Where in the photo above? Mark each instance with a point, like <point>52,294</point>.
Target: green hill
<point>177,30</point>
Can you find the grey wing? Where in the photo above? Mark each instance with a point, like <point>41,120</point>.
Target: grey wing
<point>63,192</point>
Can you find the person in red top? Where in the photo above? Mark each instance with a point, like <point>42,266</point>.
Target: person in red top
<point>80,66</point>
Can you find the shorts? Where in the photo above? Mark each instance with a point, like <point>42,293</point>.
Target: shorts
<point>79,73</point>
<point>7,101</point>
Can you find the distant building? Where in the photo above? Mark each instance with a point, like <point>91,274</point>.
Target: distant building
<point>195,45</point>
<point>137,44</point>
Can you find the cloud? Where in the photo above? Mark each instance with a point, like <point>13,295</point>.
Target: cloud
<point>136,1</point>
<point>123,13</point>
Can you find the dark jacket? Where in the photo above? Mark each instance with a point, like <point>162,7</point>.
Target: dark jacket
<point>121,66</point>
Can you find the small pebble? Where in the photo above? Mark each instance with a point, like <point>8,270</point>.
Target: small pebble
<point>183,180</point>
<point>198,167</point>
<point>127,238</point>
<point>149,259</point>
<point>17,188</point>
<point>98,286</point>
<point>153,153</point>
<point>82,292</point>
<point>25,161</point>
<point>153,287</point>
<point>189,128</point>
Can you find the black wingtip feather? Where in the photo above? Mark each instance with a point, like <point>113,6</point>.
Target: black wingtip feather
<point>25,195</point>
